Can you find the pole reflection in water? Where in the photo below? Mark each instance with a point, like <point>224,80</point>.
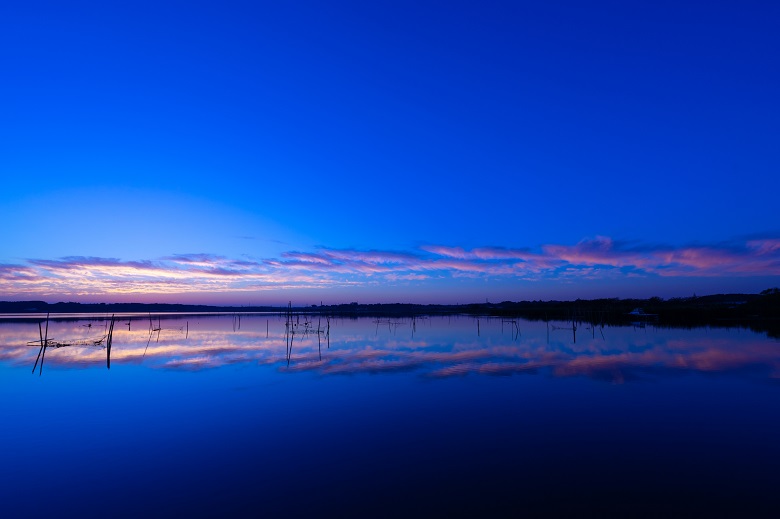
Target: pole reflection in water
<point>437,415</point>
<point>444,348</point>
<point>102,342</point>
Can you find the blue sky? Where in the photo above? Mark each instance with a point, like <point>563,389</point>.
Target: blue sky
<point>251,135</point>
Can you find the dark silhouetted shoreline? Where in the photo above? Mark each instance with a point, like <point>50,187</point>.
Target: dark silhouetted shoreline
<point>757,311</point>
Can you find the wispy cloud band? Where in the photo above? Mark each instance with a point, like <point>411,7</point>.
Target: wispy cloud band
<point>599,257</point>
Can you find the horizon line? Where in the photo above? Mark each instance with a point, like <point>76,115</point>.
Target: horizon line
<point>357,303</point>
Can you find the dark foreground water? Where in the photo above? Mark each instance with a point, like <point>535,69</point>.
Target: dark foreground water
<point>438,417</point>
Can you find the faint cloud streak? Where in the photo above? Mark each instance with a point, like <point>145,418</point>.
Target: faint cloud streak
<point>590,259</point>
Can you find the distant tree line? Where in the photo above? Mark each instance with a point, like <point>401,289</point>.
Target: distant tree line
<point>757,311</point>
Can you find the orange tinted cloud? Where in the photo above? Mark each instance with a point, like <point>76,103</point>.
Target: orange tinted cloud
<point>597,258</point>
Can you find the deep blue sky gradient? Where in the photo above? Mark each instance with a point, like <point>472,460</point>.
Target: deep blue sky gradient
<point>249,129</point>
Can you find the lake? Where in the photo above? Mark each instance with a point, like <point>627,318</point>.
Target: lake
<point>227,415</point>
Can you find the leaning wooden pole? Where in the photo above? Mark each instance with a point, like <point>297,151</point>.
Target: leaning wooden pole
<point>109,339</point>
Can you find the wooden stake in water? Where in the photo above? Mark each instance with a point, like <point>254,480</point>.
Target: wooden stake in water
<point>109,340</point>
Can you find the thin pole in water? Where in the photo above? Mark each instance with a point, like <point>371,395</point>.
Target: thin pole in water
<point>108,345</point>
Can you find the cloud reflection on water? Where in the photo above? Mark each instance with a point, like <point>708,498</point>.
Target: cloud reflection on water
<point>435,348</point>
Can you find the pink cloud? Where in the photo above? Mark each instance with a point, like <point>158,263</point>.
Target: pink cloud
<point>482,253</point>
<point>747,259</point>
<point>765,246</point>
<point>591,259</point>
<point>15,272</point>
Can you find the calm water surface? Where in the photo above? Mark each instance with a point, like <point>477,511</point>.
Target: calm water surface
<point>208,416</point>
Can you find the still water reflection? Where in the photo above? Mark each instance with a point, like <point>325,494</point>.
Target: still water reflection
<point>257,415</point>
<point>432,347</point>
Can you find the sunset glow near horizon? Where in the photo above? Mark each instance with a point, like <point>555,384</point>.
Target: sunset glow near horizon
<point>252,153</point>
